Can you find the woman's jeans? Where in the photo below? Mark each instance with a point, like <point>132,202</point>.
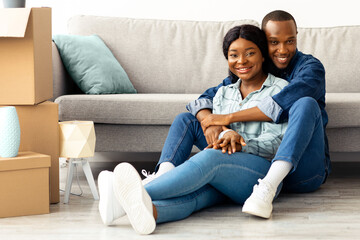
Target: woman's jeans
<point>207,178</point>
<point>302,145</point>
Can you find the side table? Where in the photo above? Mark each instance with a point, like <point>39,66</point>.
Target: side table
<point>77,142</point>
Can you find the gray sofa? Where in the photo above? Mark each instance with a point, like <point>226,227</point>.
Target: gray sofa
<point>171,62</point>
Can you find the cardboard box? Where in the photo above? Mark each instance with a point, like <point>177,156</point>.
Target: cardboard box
<point>25,56</point>
<point>39,129</point>
<point>24,184</point>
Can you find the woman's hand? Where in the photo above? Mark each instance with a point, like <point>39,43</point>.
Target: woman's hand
<point>215,119</point>
<point>231,142</point>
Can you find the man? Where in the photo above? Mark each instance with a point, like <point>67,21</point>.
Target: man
<point>302,159</point>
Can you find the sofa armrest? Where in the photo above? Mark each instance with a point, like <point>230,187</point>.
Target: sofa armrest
<point>62,82</point>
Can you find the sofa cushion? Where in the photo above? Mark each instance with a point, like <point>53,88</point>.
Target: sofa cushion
<point>152,109</point>
<point>343,110</point>
<point>163,56</point>
<point>92,66</point>
<point>338,49</point>
<point>160,109</point>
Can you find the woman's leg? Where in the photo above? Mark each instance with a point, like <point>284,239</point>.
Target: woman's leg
<point>303,146</point>
<point>174,209</point>
<point>233,175</point>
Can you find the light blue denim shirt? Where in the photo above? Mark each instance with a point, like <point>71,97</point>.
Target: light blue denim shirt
<point>262,138</point>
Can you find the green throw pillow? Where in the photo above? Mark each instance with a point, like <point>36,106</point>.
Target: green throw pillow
<point>91,65</point>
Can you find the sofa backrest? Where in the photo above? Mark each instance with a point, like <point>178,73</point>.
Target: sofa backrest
<point>166,56</point>
<point>338,48</point>
<point>162,56</point>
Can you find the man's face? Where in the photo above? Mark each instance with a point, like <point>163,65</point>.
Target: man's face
<point>281,36</point>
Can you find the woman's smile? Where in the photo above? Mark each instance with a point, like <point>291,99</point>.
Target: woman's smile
<point>243,70</point>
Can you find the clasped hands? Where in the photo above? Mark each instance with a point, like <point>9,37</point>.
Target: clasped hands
<point>212,126</point>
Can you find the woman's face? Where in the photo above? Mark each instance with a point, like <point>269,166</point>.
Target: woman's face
<point>245,60</point>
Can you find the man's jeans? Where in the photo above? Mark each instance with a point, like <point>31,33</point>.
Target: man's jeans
<point>302,144</point>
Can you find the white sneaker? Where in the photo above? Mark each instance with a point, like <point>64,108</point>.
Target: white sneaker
<point>148,176</point>
<point>131,194</point>
<point>163,168</point>
<point>260,201</point>
<point>109,207</point>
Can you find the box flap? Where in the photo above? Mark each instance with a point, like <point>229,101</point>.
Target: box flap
<point>25,160</point>
<point>14,21</point>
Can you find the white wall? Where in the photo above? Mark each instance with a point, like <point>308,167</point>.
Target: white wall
<point>308,13</point>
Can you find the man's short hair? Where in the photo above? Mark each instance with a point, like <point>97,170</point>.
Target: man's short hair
<point>277,15</point>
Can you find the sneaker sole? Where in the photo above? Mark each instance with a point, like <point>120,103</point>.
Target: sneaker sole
<point>255,210</point>
<point>132,196</point>
<point>105,187</point>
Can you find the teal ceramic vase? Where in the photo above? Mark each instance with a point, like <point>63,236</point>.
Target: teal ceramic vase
<point>9,132</point>
<point>14,3</point>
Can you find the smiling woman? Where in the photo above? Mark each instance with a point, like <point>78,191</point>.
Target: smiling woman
<point>246,56</point>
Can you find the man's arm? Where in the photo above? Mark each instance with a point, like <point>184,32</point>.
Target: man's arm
<point>308,81</point>
<point>247,115</point>
<point>205,99</point>
<point>211,133</point>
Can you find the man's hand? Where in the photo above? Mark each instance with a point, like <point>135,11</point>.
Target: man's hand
<point>231,142</point>
<point>212,133</point>
<point>215,120</point>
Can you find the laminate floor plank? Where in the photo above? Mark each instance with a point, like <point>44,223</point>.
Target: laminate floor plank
<point>332,212</point>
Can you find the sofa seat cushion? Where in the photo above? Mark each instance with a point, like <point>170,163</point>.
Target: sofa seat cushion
<point>150,109</point>
<point>343,110</point>
<point>160,109</point>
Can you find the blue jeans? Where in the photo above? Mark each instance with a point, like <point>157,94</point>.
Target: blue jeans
<point>206,179</point>
<point>303,145</point>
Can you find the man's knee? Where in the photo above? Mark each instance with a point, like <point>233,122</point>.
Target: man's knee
<point>306,105</point>
<point>185,116</point>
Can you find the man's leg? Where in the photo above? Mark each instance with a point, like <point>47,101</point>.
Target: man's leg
<point>303,146</point>
<point>184,133</point>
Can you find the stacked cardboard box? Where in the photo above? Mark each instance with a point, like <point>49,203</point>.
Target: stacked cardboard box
<point>26,83</point>
<point>24,184</point>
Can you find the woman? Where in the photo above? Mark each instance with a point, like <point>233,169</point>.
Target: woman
<point>209,177</point>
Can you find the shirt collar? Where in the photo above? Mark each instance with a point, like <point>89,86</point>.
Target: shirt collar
<point>284,73</point>
<point>267,83</point>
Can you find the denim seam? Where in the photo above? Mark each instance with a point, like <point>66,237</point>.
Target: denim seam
<point>185,201</point>
<point>307,180</point>
<point>215,169</point>
<point>179,143</point>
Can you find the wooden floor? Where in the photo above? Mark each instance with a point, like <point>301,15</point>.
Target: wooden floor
<point>332,212</point>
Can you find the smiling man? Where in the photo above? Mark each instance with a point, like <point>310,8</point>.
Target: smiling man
<point>281,36</point>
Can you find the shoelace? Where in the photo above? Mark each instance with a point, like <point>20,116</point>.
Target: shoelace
<point>147,174</point>
<point>263,191</point>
